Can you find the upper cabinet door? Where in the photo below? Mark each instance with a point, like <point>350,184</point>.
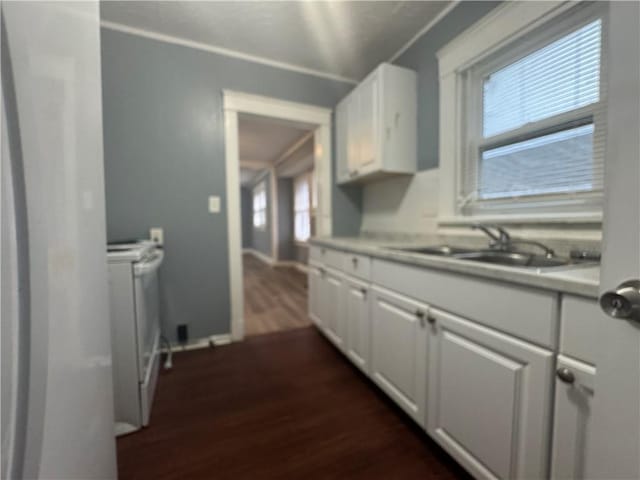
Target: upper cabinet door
<point>353,134</point>
<point>368,120</point>
<point>342,141</point>
<point>399,350</point>
<point>489,399</point>
<point>380,126</point>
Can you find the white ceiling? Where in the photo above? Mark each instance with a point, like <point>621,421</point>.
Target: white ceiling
<point>346,39</point>
<point>262,141</point>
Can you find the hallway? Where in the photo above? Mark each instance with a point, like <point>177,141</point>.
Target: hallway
<point>279,406</point>
<point>275,299</point>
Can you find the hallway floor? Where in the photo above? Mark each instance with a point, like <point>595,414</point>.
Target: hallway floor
<point>275,299</point>
<point>279,406</point>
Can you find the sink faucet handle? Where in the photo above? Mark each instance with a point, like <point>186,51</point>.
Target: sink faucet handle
<point>501,240</point>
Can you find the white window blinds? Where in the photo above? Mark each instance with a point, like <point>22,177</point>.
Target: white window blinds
<point>537,133</point>
<point>260,206</point>
<point>302,208</point>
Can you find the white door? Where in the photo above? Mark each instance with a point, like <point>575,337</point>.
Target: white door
<point>64,426</point>
<point>572,419</point>
<point>315,286</point>
<point>332,306</point>
<point>357,315</point>
<point>399,350</point>
<point>489,402</point>
<point>615,452</point>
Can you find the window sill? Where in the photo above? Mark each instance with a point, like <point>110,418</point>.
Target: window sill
<point>298,243</point>
<point>540,219</point>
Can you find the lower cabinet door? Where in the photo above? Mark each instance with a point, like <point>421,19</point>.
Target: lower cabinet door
<point>572,427</point>
<point>489,399</point>
<point>332,306</point>
<point>357,313</point>
<point>315,292</point>
<point>399,350</point>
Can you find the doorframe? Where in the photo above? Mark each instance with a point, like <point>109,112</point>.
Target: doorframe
<point>238,102</point>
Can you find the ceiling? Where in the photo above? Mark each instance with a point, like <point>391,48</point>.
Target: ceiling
<point>339,38</point>
<point>262,141</point>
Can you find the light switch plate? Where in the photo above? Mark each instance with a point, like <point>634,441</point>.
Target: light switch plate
<point>157,235</point>
<point>214,204</point>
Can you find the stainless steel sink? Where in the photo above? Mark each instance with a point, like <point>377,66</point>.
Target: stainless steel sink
<point>516,259</point>
<point>445,250</point>
<point>496,257</point>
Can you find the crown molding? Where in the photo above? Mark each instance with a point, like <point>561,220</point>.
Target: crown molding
<point>223,51</point>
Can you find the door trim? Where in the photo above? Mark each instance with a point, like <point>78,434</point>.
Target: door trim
<point>309,115</point>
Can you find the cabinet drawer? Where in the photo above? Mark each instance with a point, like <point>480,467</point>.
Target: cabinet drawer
<point>523,312</point>
<point>578,327</point>
<point>327,256</point>
<point>358,266</point>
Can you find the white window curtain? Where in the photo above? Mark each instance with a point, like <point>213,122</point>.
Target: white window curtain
<point>260,205</point>
<point>535,132</point>
<point>302,200</point>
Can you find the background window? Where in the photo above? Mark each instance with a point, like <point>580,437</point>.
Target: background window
<point>260,206</point>
<point>536,115</point>
<point>302,207</point>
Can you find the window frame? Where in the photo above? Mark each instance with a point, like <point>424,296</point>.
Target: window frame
<point>508,33</point>
<point>307,178</point>
<point>258,189</point>
<point>594,114</point>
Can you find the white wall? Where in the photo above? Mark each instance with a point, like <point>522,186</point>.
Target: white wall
<point>406,204</point>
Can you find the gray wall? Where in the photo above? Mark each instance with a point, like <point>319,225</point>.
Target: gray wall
<point>164,155</point>
<point>246,210</point>
<point>421,57</point>
<point>285,219</point>
<point>261,238</point>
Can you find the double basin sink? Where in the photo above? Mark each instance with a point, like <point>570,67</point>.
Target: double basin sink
<point>496,257</point>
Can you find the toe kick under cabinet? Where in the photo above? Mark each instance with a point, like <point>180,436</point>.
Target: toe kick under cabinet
<point>473,361</point>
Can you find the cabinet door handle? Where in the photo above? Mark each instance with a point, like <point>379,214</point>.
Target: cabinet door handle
<point>363,291</point>
<point>431,319</point>
<point>420,316</point>
<point>354,260</point>
<point>565,375</point>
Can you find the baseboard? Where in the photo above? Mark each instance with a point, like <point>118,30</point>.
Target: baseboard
<point>215,340</point>
<point>259,255</point>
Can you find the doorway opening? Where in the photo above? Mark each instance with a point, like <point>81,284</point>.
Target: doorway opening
<point>279,171</point>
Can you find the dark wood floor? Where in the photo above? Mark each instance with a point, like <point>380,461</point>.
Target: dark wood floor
<point>276,406</point>
<point>275,298</point>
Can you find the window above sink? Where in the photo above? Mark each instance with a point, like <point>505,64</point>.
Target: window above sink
<point>523,107</point>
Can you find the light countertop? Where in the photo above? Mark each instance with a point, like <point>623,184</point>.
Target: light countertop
<point>577,279</point>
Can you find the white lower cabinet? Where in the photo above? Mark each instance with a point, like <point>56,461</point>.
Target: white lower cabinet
<point>331,306</point>
<point>572,420</point>
<point>399,350</point>
<point>489,400</point>
<point>315,285</point>
<point>357,313</point>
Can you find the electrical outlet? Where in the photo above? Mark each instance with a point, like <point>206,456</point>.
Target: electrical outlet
<point>214,204</point>
<point>183,333</point>
<point>157,236</point>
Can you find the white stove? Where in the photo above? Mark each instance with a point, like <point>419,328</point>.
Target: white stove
<point>135,330</point>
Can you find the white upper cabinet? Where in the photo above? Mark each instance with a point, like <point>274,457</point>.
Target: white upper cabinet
<point>376,126</point>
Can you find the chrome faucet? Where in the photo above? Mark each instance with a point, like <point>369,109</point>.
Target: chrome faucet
<point>502,240</point>
<point>498,241</point>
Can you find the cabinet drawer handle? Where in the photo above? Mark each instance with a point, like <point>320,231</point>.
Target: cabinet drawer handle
<point>354,260</point>
<point>565,375</point>
<point>419,314</point>
<point>431,319</point>
<point>363,291</point>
